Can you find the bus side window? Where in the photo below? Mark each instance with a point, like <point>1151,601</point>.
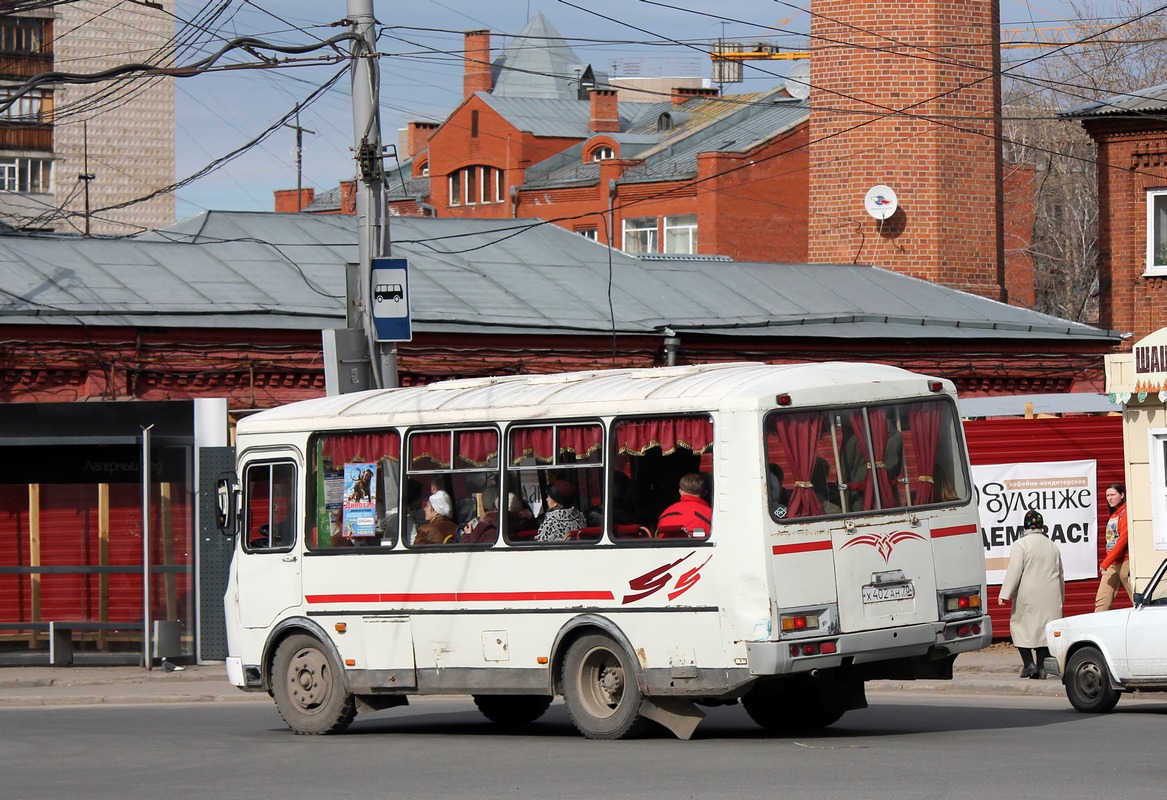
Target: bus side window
<point>658,453</point>
<point>270,507</point>
<point>356,483</point>
<point>454,469</point>
<point>558,471</point>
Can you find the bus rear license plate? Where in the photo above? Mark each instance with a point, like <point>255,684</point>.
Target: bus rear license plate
<point>891,591</point>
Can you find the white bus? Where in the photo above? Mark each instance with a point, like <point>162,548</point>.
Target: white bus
<point>840,545</point>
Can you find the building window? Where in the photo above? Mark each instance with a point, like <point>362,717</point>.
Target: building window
<point>588,233</point>
<point>26,175</point>
<point>640,235</point>
<point>1158,488</point>
<point>456,188</point>
<point>1157,232</point>
<point>474,124</point>
<point>425,170</point>
<point>33,106</point>
<point>496,182</point>
<point>22,35</point>
<point>681,234</point>
<point>603,153</point>
<point>472,196</point>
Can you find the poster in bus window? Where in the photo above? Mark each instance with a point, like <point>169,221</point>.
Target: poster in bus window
<point>333,500</point>
<point>360,501</point>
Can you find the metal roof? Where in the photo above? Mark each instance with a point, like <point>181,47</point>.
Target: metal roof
<point>266,270</point>
<point>1133,104</point>
<point>538,63</point>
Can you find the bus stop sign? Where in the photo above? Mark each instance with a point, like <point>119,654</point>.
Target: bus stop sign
<point>389,300</point>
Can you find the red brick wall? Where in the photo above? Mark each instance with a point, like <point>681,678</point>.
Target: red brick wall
<point>934,62</point>
<point>1130,161</point>
<point>1020,210</point>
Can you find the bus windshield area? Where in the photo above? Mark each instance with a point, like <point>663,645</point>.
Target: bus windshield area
<point>533,484</point>
<point>860,460</point>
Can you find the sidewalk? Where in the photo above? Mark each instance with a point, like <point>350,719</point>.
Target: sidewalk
<point>990,671</point>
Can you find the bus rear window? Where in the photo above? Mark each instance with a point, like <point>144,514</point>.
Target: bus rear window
<point>863,459</point>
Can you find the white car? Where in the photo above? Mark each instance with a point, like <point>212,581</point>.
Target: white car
<point>1105,653</point>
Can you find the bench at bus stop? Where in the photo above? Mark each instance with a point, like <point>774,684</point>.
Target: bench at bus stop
<point>60,635</point>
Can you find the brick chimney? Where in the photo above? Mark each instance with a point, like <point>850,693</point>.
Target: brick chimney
<point>348,197</point>
<point>476,74</point>
<point>605,111</point>
<point>286,200</point>
<point>683,94</point>
<point>417,136</point>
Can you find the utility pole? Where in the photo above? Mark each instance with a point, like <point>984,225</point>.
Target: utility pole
<point>372,226</point>
<point>86,176</point>
<point>299,158</point>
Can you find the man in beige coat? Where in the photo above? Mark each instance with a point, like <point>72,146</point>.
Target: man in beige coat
<point>1036,584</point>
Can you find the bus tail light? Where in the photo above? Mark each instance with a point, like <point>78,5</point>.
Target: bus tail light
<point>965,601</point>
<point>935,386</point>
<point>799,622</point>
<point>814,649</point>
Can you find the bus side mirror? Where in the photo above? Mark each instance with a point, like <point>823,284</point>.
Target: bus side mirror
<point>227,498</point>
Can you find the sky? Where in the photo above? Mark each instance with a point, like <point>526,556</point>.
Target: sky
<point>421,72</point>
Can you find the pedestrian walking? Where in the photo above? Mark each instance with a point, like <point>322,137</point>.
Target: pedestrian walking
<point>1036,585</point>
<point>1116,565</point>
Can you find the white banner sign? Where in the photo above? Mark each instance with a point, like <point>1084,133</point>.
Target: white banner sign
<point>1066,494</point>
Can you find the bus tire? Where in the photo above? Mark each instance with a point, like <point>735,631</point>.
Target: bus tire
<point>512,709</point>
<point>600,689</point>
<point>790,711</point>
<point>1088,685</point>
<point>309,689</point>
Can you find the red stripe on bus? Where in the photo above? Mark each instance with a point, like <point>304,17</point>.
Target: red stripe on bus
<point>955,530</point>
<point>804,547</point>
<point>457,597</point>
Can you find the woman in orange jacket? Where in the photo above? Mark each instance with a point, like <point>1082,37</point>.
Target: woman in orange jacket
<point>1116,566</point>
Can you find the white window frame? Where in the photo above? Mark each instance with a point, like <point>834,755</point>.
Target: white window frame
<point>472,180</point>
<point>26,175</point>
<point>682,227</point>
<point>455,198</point>
<point>639,226</point>
<point>1157,456</point>
<point>1156,266</point>
<point>603,153</point>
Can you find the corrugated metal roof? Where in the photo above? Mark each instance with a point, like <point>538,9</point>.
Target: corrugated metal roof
<point>266,270</point>
<point>1134,104</point>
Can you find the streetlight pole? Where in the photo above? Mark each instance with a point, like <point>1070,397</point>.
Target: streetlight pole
<point>372,227</point>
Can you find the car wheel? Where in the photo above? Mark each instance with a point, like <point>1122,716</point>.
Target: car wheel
<point>1088,684</point>
<point>600,689</point>
<point>309,689</point>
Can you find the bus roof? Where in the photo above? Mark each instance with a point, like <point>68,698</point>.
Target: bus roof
<point>704,387</point>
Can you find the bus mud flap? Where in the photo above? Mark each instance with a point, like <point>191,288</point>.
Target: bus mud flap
<point>680,716</point>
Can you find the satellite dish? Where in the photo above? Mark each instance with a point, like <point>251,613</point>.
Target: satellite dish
<point>798,80</point>
<point>881,202</point>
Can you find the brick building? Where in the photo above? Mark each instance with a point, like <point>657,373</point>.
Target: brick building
<point>1130,131</point>
<point>756,177</point>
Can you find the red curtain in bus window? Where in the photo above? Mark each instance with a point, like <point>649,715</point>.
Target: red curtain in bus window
<point>800,435</point>
<point>583,440</point>
<point>878,422</point>
<point>637,436</point>
<point>433,447</point>
<point>477,448</point>
<point>925,419</point>
<point>361,448</point>
<point>538,443</point>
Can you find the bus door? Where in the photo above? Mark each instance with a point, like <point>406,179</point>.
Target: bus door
<point>268,557</point>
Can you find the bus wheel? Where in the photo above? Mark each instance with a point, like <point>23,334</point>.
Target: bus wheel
<point>512,709</point>
<point>789,711</point>
<point>1088,685</point>
<point>309,689</point>
<point>600,689</point>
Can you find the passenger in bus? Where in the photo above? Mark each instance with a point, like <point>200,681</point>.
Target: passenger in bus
<point>439,528</point>
<point>561,516</point>
<point>485,530</point>
<point>691,512</point>
<point>854,465</point>
<point>828,493</point>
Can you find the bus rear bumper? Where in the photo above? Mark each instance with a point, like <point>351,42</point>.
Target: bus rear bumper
<point>924,643</point>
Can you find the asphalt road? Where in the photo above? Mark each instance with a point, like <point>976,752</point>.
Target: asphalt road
<point>905,746</point>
